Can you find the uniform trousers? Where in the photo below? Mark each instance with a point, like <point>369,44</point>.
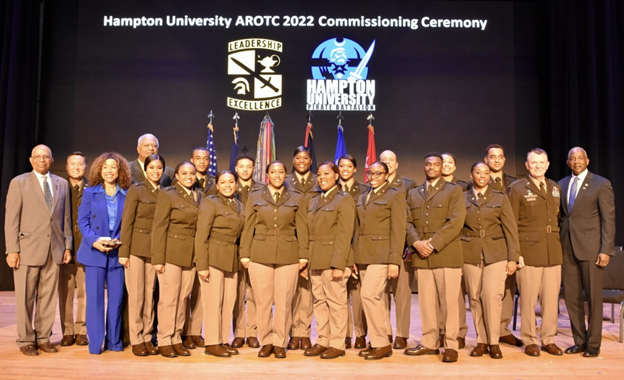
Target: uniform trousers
<point>545,283</point>
<point>508,302</point>
<point>402,290</point>
<point>486,285</point>
<point>175,286</point>
<point>273,285</point>
<point>437,287</point>
<point>374,294</point>
<point>98,279</point>
<point>302,309</point>
<point>72,282</point>
<point>356,319</point>
<point>194,311</point>
<point>245,307</point>
<point>461,305</point>
<point>330,307</point>
<point>218,299</point>
<point>140,283</point>
<point>35,284</point>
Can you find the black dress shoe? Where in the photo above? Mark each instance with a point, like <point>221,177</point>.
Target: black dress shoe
<point>265,351</point>
<point>279,352</point>
<point>575,349</point>
<point>68,340</point>
<point>400,343</point>
<point>420,350</point>
<point>379,353</point>
<point>252,342</point>
<point>591,353</point>
<point>238,342</point>
<point>511,340</point>
<point>360,342</point>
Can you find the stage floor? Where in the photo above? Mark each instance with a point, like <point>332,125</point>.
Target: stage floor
<point>75,362</point>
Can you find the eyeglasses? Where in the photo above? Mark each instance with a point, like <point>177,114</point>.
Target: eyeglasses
<point>375,174</point>
<point>41,158</point>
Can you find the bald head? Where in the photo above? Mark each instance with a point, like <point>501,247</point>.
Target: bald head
<point>41,159</point>
<point>577,160</point>
<point>390,159</point>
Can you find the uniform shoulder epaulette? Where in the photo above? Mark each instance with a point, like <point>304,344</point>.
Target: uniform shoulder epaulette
<point>169,188</point>
<point>139,184</point>
<point>252,190</point>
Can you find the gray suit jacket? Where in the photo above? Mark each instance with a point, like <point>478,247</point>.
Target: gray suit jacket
<point>591,223</point>
<point>139,177</point>
<point>30,228</point>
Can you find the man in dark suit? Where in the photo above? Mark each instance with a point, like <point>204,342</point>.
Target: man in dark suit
<point>146,145</point>
<point>72,275</point>
<point>38,237</point>
<point>587,239</point>
<point>495,160</point>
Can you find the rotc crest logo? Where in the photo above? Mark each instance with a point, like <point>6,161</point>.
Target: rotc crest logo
<point>340,77</point>
<point>253,65</point>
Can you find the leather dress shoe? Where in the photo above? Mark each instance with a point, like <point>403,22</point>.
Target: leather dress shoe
<point>348,342</point>
<point>450,356</point>
<point>82,340</point>
<point>198,340</point>
<point>480,350</point>
<point>591,353</point>
<point>29,350</point>
<point>390,339</point>
<point>532,350</point>
<point>575,349</point>
<point>400,343</point>
<point>265,351</point>
<point>461,342</point>
<point>495,351</point>
<point>315,351</point>
<point>552,349</point>
<point>217,350</point>
<point>365,352</point>
<point>510,340</point>
<point>228,348</point>
<point>167,351</point>
<point>420,350</point>
<point>151,350</point>
<point>252,342</point>
<point>294,343</point>
<point>332,353</point>
<point>305,343</point>
<point>238,342</point>
<point>188,343</point>
<point>48,347</point>
<point>139,349</point>
<point>68,340</point>
<point>379,353</point>
<point>360,342</point>
<point>279,352</point>
<point>181,350</point>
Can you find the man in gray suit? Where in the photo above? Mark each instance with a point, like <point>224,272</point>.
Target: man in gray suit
<point>587,239</point>
<point>38,235</point>
<point>146,145</point>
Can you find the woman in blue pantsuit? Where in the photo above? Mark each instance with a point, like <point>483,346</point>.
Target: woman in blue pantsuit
<point>99,219</point>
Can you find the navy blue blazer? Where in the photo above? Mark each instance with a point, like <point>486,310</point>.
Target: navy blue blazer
<point>93,223</point>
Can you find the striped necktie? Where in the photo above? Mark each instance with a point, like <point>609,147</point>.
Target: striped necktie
<point>47,193</point>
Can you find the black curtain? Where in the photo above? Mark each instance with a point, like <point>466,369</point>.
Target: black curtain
<point>581,89</point>
<point>19,44</point>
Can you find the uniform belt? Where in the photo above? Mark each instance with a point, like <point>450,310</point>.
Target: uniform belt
<point>313,237</point>
<point>224,237</point>
<point>482,233</point>
<point>276,232</point>
<point>365,231</point>
<point>182,231</point>
<point>549,229</point>
<point>76,228</point>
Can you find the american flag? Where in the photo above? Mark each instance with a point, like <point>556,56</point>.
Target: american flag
<point>212,169</point>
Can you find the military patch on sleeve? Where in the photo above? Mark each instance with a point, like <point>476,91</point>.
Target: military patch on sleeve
<point>555,192</point>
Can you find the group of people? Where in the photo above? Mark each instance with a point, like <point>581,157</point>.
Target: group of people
<point>185,250</point>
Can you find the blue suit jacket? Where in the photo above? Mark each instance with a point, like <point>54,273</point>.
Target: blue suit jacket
<point>93,223</point>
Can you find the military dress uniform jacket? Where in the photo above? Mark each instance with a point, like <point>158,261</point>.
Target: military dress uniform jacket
<point>490,229</point>
<point>380,229</point>
<point>357,189</point>
<point>219,227</point>
<point>462,184</point>
<point>275,233</point>
<point>209,187</point>
<point>330,230</point>
<point>75,199</point>
<point>438,215</point>
<point>537,216</point>
<point>242,193</point>
<point>137,220</point>
<point>308,190</point>
<point>175,223</point>
<point>402,184</point>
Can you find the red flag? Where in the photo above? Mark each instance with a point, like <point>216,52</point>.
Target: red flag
<point>371,152</point>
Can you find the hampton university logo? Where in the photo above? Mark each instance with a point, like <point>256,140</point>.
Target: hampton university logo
<point>252,65</point>
<point>340,72</point>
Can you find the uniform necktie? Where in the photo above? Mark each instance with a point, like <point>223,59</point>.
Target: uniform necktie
<point>246,188</point>
<point>194,194</point>
<point>499,183</point>
<point>202,181</point>
<point>345,188</point>
<point>479,196</point>
<point>429,189</point>
<point>276,196</point>
<point>542,188</point>
<point>369,195</point>
<point>47,193</point>
<point>76,188</point>
<point>572,197</point>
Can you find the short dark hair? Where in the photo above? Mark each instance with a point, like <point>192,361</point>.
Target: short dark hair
<point>434,154</point>
<point>300,149</point>
<point>202,148</point>
<point>222,172</point>
<point>450,155</point>
<point>348,157</point>
<point>331,165</point>
<point>245,157</point>
<point>493,146</point>
<point>178,166</point>
<point>379,163</point>
<point>78,153</point>
<point>275,162</point>
<point>475,165</point>
<point>153,157</point>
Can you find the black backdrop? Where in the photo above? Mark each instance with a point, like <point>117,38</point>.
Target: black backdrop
<point>566,83</point>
